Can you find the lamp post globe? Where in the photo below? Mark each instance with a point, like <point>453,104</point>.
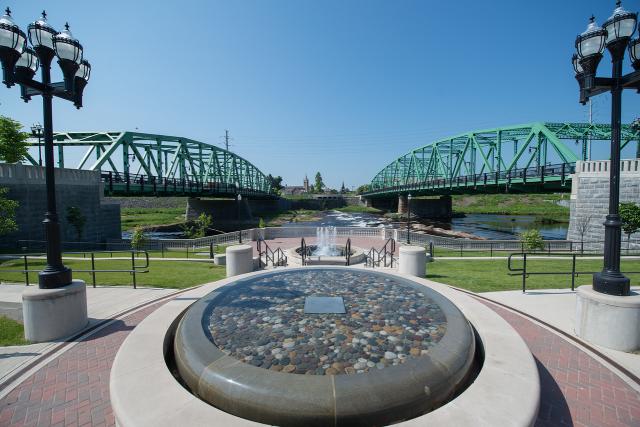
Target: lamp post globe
<point>28,64</point>
<point>620,26</point>
<point>589,47</point>
<point>69,52</point>
<point>634,53</point>
<point>12,43</point>
<point>41,36</point>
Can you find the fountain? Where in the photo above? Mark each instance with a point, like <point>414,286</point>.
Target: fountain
<point>326,242</point>
<point>326,251</point>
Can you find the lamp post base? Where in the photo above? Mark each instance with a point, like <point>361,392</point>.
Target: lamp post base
<point>611,284</point>
<point>51,279</point>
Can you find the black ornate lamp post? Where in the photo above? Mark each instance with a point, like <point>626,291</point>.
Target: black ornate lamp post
<point>36,131</point>
<point>409,219</point>
<point>616,36</point>
<point>19,65</point>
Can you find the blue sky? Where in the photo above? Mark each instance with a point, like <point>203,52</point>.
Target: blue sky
<point>341,87</point>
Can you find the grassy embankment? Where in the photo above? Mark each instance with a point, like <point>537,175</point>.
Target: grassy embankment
<point>544,206</point>
<point>133,217</point>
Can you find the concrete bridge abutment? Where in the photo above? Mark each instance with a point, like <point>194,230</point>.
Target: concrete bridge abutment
<point>427,208</point>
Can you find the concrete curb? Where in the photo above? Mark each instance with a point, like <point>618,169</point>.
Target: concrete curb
<point>144,393</point>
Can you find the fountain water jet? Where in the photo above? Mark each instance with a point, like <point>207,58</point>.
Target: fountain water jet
<point>326,242</point>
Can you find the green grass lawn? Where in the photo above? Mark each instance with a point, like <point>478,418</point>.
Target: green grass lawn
<point>493,275</point>
<point>544,205</point>
<point>162,274</point>
<point>133,217</point>
<point>359,209</point>
<point>11,332</point>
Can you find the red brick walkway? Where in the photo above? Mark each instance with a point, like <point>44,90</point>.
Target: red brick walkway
<point>73,389</point>
<point>577,390</point>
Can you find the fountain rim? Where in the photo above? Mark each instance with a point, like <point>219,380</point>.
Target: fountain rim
<point>144,393</point>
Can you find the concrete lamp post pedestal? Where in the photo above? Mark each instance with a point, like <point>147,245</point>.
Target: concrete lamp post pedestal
<point>51,314</point>
<point>608,320</point>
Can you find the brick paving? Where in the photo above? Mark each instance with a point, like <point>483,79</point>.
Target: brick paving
<point>577,390</point>
<point>73,389</point>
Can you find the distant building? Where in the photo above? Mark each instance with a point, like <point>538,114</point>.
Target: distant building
<point>293,190</point>
<point>306,184</point>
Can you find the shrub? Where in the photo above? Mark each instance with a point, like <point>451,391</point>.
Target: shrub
<point>532,240</point>
<point>138,238</point>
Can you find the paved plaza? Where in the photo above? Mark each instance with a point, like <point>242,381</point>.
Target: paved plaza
<point>67,383</point>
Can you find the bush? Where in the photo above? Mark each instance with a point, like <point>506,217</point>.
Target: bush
<point>261,223</point>
<point>199,227</point>
<point>532,240</point>
<point>138,238</point>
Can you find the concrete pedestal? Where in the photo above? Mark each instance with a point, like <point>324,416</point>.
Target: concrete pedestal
<point>51,314</point>
<point>220,259</point>
<point>239,260</point>
<point>608,320</point>
<point>413,261</point>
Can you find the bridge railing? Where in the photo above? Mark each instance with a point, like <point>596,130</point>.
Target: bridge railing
<point>536,173</point>
<point>117,182</point>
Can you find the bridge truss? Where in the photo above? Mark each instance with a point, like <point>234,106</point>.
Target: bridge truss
<point>532,157</point>
<point>134,163</point>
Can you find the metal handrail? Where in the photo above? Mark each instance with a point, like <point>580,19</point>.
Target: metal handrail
<point>278,257</point>
<point>135,269</point>
<point>347,252</point>
<point>525,272</point>
<point>303,251</point>
<point>375,257</point>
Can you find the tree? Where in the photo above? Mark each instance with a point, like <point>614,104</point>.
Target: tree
<point>7,213</point>
<point>319,185</point>
<point>630,217</point>
<point>199,227</point>
<point>362,189</point>
<point>582,225</point>
<point>138,238</point>
<point>342,189</point>
<point>276,183</point>
<point>532,240</point>
<point>13,142</point>
<point>76,219</point>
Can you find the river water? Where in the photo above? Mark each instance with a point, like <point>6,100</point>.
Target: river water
<point>488,226</point>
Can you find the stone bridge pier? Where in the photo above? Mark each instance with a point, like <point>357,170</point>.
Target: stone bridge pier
<point>423,208</point>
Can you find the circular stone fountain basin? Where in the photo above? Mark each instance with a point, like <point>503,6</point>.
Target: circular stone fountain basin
<point>319,347</point>
<point>294,255</point>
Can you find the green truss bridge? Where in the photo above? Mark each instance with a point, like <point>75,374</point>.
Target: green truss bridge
<point>534,158</point>
<point>135,164</point>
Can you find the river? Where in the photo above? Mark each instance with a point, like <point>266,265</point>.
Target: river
<point>488,226</point>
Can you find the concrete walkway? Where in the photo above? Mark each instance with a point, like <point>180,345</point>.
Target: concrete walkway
<point>102,303</point>
<point>64,384</point>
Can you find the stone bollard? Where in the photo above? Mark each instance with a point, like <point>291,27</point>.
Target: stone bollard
<point>239,260</point>
<point>413,261</point>
<point>50,314</point>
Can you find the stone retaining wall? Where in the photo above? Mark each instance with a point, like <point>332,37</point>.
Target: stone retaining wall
<point>79,188</point>
<point>590,198</point>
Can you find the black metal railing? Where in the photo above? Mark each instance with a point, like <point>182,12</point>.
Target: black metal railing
<point>383,257</point>
<point>132,254</point>
<point>347,252</point>
<point>117,182</point>
<point>277,257</point>
<point>526,271</point>
<point>304,251</point>
<point>538,174</point>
